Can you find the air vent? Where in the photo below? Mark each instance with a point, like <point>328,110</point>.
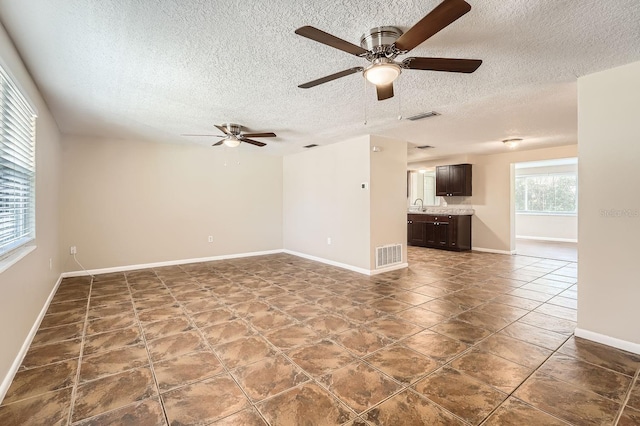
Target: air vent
<point>423,115</point>
<point>388,255</point>
<point>313,145</point>
<point>425,146</point>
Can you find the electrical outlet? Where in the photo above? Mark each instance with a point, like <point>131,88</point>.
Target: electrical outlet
<point>210,239</point>
<point>329,240</point>
<point>73,250</point>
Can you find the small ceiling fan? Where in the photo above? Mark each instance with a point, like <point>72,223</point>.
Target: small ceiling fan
<point>381,46</point>
<point>233,135</point>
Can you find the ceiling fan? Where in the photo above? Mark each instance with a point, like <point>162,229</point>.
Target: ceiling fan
<point>233,135</point>
<point>381,46</point>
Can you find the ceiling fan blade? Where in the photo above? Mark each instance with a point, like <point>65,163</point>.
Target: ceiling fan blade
<point>384,92</point>
<point>442,64</point>
<point>260,135</point>
<point>252,142</point>
<point>331,77</point>
<point>215,136</point>
<point>223,130</point>
<point>444,14</point>
<point>330,40</point>
<point>218,143</point>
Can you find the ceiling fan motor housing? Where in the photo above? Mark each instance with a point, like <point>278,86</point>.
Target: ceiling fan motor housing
<point>379,41</point>
<point>234,129</point>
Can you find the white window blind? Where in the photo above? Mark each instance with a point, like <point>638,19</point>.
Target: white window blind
<point>17,167</point>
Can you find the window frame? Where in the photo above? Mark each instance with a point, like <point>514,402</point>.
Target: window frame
<point>14,250</point>
<point>545,212</point>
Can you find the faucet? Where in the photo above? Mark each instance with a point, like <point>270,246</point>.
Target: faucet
<point>421,203</point>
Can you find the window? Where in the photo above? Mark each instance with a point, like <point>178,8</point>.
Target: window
<point>549,193</point>
<point>17,167</point>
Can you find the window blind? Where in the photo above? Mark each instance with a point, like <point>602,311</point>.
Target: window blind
<point>17,167</point>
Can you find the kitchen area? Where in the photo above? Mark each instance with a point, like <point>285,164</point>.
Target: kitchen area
<point>431,221</point>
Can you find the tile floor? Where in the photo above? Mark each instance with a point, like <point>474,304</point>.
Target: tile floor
<point>456,339</point>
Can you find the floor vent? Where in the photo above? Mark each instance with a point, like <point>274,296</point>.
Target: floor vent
<point>388,255</point>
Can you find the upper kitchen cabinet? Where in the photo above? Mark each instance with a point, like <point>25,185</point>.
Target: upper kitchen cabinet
<point>453,181</point>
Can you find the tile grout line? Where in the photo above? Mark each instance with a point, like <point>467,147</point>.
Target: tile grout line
<point>625,401</point>
<point>76,385</point>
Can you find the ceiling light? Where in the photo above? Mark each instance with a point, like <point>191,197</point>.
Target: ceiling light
<point>382,72</point>
<point>512,143</point>
<point>232,142</point>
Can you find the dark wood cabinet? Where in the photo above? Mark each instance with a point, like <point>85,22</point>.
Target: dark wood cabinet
<point>454,180</point>
<point>447,232</point>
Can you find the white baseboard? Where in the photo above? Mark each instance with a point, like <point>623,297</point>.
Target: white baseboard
<point>167,263</point>
<point>487,250</point>
<point>6,382</point>
<point>345,266</point>
<point>558,240</point>
<point>608,340</point>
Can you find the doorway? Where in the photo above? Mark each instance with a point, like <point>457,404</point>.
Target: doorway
<point>546,209</point>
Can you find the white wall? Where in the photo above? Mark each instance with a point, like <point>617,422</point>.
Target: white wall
<point>132,202</point>
<point>25,286</point>
<point>609,226</point>
<point>323,199</point>
<point>388,195</point>
<point>493,225</point>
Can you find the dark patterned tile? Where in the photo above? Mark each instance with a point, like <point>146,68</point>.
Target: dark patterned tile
<point>534,335</point>
<point>44,336</point>
<point>47,409</point>
<point>175,345</point>
<point>110,323</point>
<point>404,365</point>
<point>328,324</point>
<point>463,395</point>
<point>360,386</point>
<point>362,341</point>
<point>587,376</point>
<point>144,413</point>
<point>307,404</point>
<point>421,317</point>
<point>516,412</point>
<point>321,358</point>
<point>243,351</point>
<point>547,322</point>
<point>292,336</point>
<point>515,350</point>
<point>166,328</point>
<point>195,366</point>
<point>112,362</point>
<point>226,331</point>
<point>216,316</point>
<point>602,355</point>
<point>393,328</point>
<point>52,377</point>
<point>568,402</point>
<point>248,417</point>
<point>491,369</point>
<point>629,417</point>
<point>269,377</point>
<point>634,397</point>
<point>111,392</point>
<point>462,331</point>
<point>55,352</point>
<point>434,345</point>
<point>409,408</point>
<point>111,340</point>
<point>204,402</point>
<point>268,320</point>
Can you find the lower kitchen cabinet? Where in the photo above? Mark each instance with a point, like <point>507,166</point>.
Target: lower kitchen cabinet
<point>448,232</point>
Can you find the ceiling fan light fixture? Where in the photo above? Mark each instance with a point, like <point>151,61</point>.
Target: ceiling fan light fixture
<point>232,142</point>
<point>512,143</point>
<point>382,73</point>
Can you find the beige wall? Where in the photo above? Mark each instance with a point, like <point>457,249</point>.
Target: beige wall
<point>547,227</point>
<point>323,199</point>
<point>25,286</point>
<point>609,226</point>
<point>133,202</point>
<point>388,195</point>
<point>494,221</point>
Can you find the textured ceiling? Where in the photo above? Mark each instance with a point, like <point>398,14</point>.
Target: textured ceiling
<point>155,69</point>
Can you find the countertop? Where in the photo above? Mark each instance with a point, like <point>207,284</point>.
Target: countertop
<point>449,210</point>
